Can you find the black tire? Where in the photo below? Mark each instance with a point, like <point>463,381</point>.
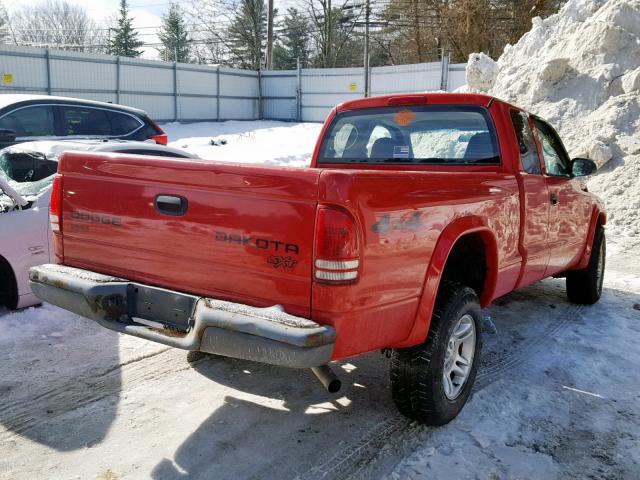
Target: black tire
<point>417,373</point>
<point>8,286</point>
<point>585,286</point>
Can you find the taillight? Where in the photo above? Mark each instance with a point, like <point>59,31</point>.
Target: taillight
<point>55,204</point>
<point>160,137</point>
<point>337,247</point>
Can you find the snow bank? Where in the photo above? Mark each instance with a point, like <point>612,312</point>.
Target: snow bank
<point>481,72</point>
<point>579,69</point>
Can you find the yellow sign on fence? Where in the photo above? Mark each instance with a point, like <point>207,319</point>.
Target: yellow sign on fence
<point>7,78</point>
<point>353,87</point>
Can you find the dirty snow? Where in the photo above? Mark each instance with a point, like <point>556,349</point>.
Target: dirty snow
<point>580,70</point>
<point>556,395</point>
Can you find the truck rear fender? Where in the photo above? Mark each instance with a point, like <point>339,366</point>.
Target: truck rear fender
<point>464,229</point>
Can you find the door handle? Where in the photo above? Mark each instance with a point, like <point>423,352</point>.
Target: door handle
<point>171,205</point>
<point>553,199</point>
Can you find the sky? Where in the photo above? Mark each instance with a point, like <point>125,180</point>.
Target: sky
<point>145,14</point>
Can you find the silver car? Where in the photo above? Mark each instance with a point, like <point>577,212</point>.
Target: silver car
<point>26,174</point>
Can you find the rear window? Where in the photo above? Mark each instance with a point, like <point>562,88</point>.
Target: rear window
<point>429,134</point>
<point>123,124</point>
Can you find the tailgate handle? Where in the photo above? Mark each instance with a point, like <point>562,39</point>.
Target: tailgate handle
<point>171,205</point>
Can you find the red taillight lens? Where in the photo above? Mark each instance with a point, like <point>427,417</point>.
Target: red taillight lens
<point>337,248</point>
<point>160,137</point>
<point>55,204</point>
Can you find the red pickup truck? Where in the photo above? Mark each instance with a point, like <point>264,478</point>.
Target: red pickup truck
<point>416,212</point>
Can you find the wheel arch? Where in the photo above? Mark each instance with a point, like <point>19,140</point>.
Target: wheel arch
<point>453,235</point>
<point>8,285</point>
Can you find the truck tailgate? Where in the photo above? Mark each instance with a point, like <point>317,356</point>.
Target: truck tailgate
<point>236,232</point>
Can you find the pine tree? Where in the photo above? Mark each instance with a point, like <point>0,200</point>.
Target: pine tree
<point>124,41</point>
<point>174,36</point>
<point>247,34</point>
<point>294,42</point>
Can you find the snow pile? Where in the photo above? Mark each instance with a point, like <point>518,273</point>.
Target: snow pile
<point>269,142</point>
<point>481,72</point>
<point>579,69</point>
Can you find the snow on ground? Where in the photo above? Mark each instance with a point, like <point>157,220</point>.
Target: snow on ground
<point>556,397</point>
<point>269,142</point>
<point>557,391</point>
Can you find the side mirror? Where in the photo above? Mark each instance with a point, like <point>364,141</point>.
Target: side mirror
<point>581,167</point>
<point>7,135</point>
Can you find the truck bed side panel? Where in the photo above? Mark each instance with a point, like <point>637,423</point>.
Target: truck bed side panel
<point>402,215</point>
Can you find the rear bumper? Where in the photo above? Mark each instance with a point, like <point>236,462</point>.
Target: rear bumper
<point>266,335</point>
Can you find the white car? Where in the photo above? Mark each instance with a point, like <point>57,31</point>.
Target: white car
<point>26,174</point>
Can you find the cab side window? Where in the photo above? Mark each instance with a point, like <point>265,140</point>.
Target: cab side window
<point>555,160</point>
<point>529,160</point>
<point>85,121</point>
<point>36,121</point>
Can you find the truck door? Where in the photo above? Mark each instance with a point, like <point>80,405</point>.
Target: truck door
<point>568,217</point>
<point>535,199</point>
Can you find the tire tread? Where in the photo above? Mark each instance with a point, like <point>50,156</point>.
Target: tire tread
<point>412,370</point>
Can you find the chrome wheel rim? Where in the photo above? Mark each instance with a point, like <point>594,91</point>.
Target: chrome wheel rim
<point>458,358</point>
<point>600,267</point>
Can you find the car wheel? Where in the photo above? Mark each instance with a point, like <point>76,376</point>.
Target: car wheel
<point>431,382</point>
<point>8,286</point>
<point>585,286</point>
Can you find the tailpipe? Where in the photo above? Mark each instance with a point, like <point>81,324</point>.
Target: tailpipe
<point>329,379</point>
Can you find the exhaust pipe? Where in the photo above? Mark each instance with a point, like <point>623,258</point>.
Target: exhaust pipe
<point>327,378</point>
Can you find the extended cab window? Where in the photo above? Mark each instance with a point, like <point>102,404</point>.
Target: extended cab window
<point>36,121</point>
<point>427,134</point>
<point>528,151</point>
<point>556,160</point>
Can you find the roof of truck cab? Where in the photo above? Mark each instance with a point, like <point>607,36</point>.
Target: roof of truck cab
<point>419,98</point>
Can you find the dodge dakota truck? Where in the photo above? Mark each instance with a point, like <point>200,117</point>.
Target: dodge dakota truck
<point>416,212</point>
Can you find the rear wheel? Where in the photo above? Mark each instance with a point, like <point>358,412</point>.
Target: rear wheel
<point>585,286</point>
<point>431,382</point>
<point>8,286</point>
